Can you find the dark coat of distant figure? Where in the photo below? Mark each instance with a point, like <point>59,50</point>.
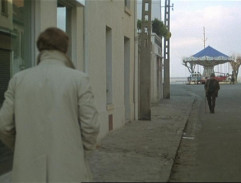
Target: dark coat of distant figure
<point>211,88</point>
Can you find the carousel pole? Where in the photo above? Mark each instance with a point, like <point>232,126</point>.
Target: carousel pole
<point>204,37</point>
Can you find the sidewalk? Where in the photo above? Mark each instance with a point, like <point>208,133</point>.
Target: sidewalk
<point>141,151</point>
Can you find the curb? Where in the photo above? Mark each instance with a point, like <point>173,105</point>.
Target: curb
<point>184,129</point>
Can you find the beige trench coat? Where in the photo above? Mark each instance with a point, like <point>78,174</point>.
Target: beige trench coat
<point>51,107</point>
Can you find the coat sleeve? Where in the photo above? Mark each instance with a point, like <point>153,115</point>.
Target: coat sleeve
<point>87,115</point>
<point>7,124</point>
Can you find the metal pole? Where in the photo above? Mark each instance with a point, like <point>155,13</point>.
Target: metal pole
<point>166,91</point>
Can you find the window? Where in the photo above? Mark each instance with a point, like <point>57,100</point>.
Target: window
<point>127,78</point>
<point>67,21</point>
<point>16,52</point>
<point>127,7</point>
<point>16,43</point>
<point>61,18</point>
<point>62,8</point>
<point>127,4</point>
<point>4,5</point>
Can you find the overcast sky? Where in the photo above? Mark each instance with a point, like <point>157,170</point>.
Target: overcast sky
<point>222,22</point>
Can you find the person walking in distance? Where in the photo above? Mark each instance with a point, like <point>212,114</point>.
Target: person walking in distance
<point>211,88</point>
<point>48,117</point>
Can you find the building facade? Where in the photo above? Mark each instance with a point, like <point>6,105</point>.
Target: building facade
<point>110,58</point>
<point>103,44</point>
<point>21,21</point>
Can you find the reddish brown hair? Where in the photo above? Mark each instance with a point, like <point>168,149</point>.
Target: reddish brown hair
<point>54,39</point>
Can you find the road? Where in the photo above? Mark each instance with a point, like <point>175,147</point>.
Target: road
<point>211,148</point>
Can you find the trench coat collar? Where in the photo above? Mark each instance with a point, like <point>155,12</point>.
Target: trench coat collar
<point>53,57</point>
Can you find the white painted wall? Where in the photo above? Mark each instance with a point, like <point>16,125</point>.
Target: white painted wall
<point>98,16</point>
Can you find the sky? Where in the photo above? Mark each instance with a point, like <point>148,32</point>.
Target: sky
<point>222,22</point>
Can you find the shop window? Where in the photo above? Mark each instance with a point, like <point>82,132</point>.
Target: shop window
<point>16,53</point>
<point>4,9</point>
<point>15,40</point>
<point>21,38</point>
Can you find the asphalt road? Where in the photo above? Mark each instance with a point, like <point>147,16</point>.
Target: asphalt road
<point>210,150</point>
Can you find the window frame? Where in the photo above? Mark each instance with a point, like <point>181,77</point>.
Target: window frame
<point>127,4</point>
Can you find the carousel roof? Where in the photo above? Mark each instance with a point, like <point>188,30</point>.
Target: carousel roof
<point>208,56</point>
<point>210,52</point>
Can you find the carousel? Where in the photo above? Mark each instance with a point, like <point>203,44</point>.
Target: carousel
<point>208,58</point>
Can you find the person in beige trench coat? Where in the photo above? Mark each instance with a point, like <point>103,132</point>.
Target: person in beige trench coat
<point>48,117</point>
